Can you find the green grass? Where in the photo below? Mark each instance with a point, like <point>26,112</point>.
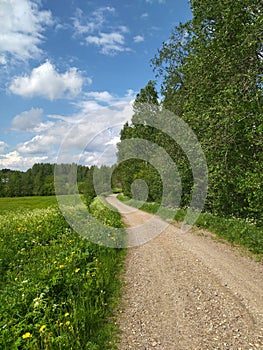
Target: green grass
<point>105,213</point>
<point>17,203</point>
<point>57,289</point>
<point>234,230</point>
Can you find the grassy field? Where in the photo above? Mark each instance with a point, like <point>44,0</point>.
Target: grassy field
<point>233,230</point>
<point>57,290</point>
<point>18,203</point>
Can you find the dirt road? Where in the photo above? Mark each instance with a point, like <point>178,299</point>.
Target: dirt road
<point>188,292</point>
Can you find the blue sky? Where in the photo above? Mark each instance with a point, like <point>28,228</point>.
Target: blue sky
<point>69,71</point>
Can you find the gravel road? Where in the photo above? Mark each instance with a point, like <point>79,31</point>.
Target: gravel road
<point>188,291</point>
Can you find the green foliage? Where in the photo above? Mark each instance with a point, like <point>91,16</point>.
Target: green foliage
<point>105,213</point>
<point>57,290</point>
<point>234,230</point>
<point>39,180</point>
<point>211,69</point>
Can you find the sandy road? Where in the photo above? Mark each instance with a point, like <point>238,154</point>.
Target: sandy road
<point>188,291</point>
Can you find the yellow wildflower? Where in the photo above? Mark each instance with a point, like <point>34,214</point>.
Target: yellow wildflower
<point>77,269</point>
<point>67,323</point>
<point>41,329</point>
<point>66,314</point>
<point>27,335</point>
<point>61,266</point>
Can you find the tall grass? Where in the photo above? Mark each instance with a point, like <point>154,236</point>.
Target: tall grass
<point>57,290</point>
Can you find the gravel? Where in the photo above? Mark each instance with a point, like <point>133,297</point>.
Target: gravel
<point>188,291</point>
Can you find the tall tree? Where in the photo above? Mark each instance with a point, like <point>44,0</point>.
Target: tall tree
<point>213,66</point>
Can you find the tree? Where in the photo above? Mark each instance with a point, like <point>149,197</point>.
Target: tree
<point>133,157</point>
<point>212,77</point>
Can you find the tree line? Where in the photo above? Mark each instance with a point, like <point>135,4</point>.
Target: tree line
<point>45,179</point>
<point>210,72</point>
<point>36,181</point>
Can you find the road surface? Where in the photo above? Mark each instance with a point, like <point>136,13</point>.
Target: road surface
<point>188,291</point>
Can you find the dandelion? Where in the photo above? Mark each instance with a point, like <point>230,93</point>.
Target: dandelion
<point>67,323</point>
<point>77,269</point>
<point>42,328</point>
<point>61,266</point>
<point>27,335</point>
<point>66,314</point>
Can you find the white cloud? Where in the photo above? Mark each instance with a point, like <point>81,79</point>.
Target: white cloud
<point>39,144</point>
<point>109,43</point>
<point>3,60</point>
<point>3,146</point>
<point>145,15</point>
<point>103,96</point>
<point>27,120</point>
<point>138,39</point>
<point>22,25</point>
<point>84,24</point>
<point>90,135</point>
<point>154,1</point>
<point>14,160</point>
<point>159,1</point>
<point>46,82</point>
<point>96,30</point>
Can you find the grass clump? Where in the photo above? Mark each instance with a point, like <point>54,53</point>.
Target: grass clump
<point>57,289</point>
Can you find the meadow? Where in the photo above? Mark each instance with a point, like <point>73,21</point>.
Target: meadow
<point>18,203</point>
<point>57,289</point>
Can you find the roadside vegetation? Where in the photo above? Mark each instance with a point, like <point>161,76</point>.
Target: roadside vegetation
<point>57,290</point>
<point>234,230</point>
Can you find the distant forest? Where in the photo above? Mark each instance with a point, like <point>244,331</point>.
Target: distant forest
<point>37,181</point>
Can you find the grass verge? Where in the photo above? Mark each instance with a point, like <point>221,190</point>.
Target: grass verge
<point>57,289</point>
<point>233,230</point>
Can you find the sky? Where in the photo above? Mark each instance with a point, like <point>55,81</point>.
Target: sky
<point>69,72</point>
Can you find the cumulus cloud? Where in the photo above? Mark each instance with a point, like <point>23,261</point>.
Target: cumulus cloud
<point>46,82</point>
<point>89,136</point>
<point>14,160</point>
<point>39,144</point>
<point>138,39</point>
<point>22,25</point>
<point>103,96</point>
<point>27,120</point>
